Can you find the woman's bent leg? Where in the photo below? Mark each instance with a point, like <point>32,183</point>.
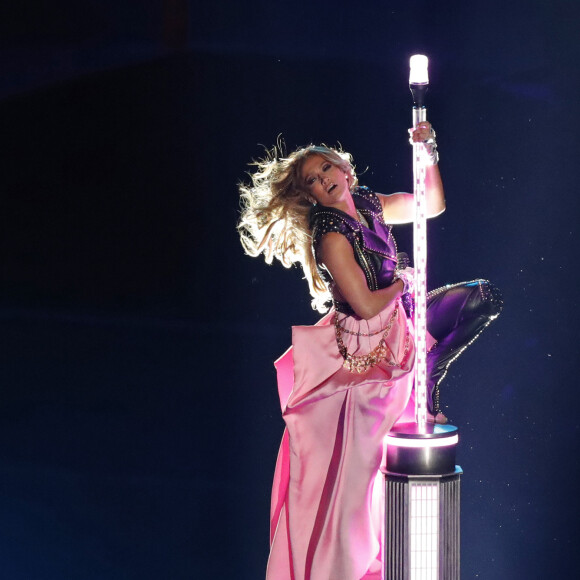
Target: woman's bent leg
<point>456,316</point>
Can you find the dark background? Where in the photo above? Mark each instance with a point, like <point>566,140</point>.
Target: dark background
<point>139,420</point>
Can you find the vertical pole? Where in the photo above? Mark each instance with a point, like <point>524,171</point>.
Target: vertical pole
<point>418,82</point>
<point>421,479</point>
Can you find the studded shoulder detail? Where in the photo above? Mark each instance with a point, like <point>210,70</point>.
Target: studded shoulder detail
<point>367,202</point>
<point>326,221</point>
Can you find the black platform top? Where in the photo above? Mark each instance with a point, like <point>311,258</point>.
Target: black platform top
<point>431,431</point>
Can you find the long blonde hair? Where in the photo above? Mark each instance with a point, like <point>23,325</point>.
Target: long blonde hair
<point>275,209</point>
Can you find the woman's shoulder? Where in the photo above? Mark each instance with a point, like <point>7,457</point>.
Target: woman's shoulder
<point>325,220</point>
<point>365,198</point>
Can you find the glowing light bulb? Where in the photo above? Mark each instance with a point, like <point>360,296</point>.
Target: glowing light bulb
<point>419,74</point>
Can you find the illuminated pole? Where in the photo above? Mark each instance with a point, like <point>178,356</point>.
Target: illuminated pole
<point>422,482</point>
<point>418,83</point>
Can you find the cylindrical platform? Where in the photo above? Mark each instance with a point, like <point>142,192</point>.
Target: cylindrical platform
<point>422,507</point>
<point>431,451</point>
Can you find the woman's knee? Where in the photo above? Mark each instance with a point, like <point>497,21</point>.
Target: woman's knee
<point>488,299</point>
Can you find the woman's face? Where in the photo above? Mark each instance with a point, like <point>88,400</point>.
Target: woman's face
<point>327,183</point>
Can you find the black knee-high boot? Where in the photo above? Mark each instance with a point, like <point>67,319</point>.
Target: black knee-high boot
<point>456,315</point>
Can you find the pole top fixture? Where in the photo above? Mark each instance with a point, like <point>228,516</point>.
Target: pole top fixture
<point>419,74</point>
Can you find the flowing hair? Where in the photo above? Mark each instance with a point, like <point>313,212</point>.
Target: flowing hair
<point>275,209</point>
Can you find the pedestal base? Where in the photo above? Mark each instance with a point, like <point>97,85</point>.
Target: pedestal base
<point>422,504</point>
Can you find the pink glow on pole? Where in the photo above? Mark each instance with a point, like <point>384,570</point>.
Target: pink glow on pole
<point>422,443</point>
<point>418,80</point>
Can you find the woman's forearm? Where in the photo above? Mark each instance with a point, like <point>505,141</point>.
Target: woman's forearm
<point>434,190</point>
<point>378,300</point>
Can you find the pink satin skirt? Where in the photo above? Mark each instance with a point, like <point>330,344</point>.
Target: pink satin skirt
<point>327,496</point>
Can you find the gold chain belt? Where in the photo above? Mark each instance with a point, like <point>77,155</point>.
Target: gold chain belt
<point>362,363</point>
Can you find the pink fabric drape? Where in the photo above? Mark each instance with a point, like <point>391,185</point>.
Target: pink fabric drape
<point>326,511</point>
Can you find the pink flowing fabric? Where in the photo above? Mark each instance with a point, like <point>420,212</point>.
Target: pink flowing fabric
<point>326,511</point>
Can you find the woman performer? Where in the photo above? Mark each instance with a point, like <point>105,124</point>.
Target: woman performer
<point>346,381</point>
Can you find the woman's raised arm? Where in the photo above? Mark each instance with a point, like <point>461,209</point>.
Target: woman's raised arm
<point>399,208</point>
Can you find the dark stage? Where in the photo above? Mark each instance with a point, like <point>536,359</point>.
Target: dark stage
<point>139,416</point>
